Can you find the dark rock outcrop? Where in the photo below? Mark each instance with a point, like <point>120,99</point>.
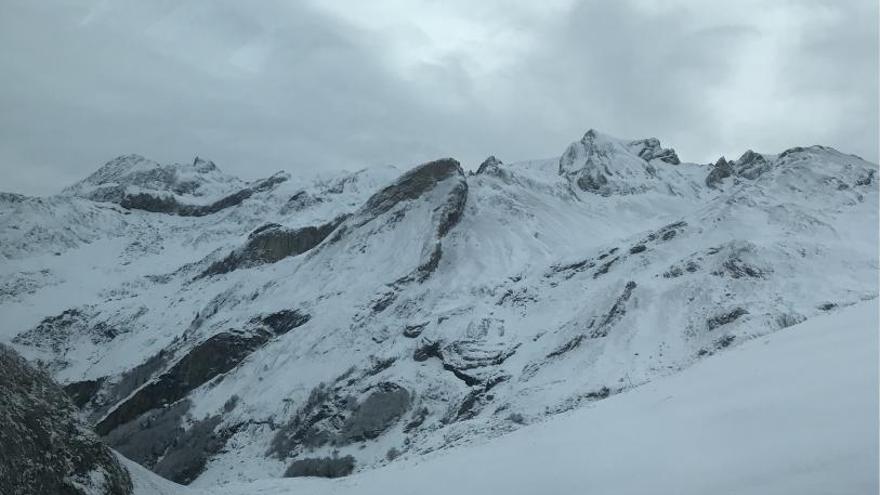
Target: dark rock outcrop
<point>408,187</point>
<point>83,391</point>
<point>113,390</point>
<point>169,444</point>
<point>330,415</point>
<point>271,243</point>
<point>866,180</point>
<point>615,313</point>
<point>43,446</point>
<point>470,361</point>
<point>725,318</point>
<point>190,451</point>
<point>751,165</point>
<point>170,205</point>
<point>381,409</point>
<point>596,331</point>
<point>490,166</point>
<point>720,171</point>
<point>300,201</point>
<point>146,439</point>
<point>216,355</point>
<point>414,330</point>
<point>321,467</point>
<point>607,166</point>
<point>650,149</point>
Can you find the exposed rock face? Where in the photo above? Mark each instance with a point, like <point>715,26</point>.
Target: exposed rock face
<point>216,355</point>
<point>169,204</point>
<point>650,149</point>
<point>137,183</point>
<point>149,437</point>
<point>749,166</point>
<point>409,186</point>
<point>43,447</point>
<point>491,166</point>
<point>725,318</point>
<point>382,408</point>
<point>152,426</point>
<point>322,467</point>
<point>615,313</point>
<point>468,360</point>
<point>301,201</point>
<point>720,171</point>
<point>169,442</point>
<point>330,416</point>
<point>111,181</point>
<point>272,243</point>
<point>604,165</point>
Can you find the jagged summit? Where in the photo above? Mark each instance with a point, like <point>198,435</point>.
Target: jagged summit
<point>490,165</point>
<point>186,189</point>
<point>650,149</point>
<point>130,174</point>
<point>606,165</point>
<point>116,169</point>
<point>203,166</point>
<point>413,184</point>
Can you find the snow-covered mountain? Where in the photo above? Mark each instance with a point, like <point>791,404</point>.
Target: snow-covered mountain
<point>215,330</point>
<point>744,422</point>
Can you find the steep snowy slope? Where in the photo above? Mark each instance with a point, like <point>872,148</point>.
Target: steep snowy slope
<point>328,326</point>
<point>795,412</point>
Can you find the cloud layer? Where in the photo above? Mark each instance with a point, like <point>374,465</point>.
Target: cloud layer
<point>306,87</point>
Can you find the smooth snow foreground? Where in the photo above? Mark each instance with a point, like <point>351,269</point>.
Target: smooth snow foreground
<point>791,413</point>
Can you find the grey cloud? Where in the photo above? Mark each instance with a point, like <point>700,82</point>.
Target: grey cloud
<point>275,85</point>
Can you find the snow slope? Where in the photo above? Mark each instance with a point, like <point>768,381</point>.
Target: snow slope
<point>793,412</point>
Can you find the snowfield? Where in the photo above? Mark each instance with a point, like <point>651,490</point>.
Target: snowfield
<point>791,413</point>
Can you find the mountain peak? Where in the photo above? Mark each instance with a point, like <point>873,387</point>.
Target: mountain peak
<point>203,166</point>
<point>606,165</point>
<point>120,166</point>
<point>413,184</point>
<point>132,174</point>
<point>650,149</point>
<point>490,165</point>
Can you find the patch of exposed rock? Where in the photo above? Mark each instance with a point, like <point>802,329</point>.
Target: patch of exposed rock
<point>216,355</point>
<point>603,165</point>
<point>170,205</point>
<point>272,243</point>
<point>490,166</point>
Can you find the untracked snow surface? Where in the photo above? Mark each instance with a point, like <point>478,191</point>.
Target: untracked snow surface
<point>794,412</point>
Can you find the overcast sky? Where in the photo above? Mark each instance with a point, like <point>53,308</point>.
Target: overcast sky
<point>326,85</point>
